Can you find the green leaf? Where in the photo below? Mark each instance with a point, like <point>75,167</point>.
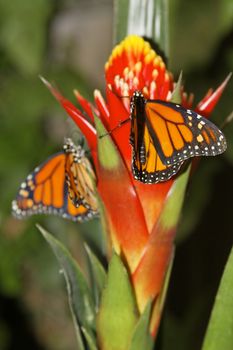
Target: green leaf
<point>118,313</point>
<point>98,275</point>
<point>89,339</point>
<point>219,333</point>
<point>176,94</point>
<point>141,337</point>
<point>162,296</point>
<point>145,18</point>
<point>108,154</point>
<point>160,300</point>
<point>173,206</point>
<point>161,25</point>
<point>121,9</point>
<point>80,299</point>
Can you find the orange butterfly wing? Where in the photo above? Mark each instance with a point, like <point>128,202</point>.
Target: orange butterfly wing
<point>147,165</point>
<point>164,135</point>
<point>80,176</point>
<point>46,191</point>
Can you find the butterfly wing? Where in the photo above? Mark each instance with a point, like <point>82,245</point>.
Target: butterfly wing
<point>80,177</point>
<point>164,135</point>
<point>46,191</point>
<point>180,133</point>
<point>147,165</point>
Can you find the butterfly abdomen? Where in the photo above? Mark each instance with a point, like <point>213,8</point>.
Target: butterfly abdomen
<point>142,154</point>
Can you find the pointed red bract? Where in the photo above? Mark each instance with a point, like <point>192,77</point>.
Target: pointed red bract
<point>206,106</point>
<point>125,218</point>
<point>86,106</point>
<point>102,107</point>
<point>84,125</point>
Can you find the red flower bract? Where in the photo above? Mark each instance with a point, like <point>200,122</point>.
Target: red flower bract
<point>133,211</point>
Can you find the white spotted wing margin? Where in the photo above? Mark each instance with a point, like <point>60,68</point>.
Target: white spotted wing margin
<point>164,135</point>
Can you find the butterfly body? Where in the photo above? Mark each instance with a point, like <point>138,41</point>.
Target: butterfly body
<point>164,134</point>
<point>80,176</point>
<point>47,189</point>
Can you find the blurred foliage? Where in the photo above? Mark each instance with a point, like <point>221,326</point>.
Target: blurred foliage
<point>196,28</point>
<point>32,127</point>
<point>23,33</point>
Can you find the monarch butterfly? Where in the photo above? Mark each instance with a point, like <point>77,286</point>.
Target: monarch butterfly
<point>62,185</point>
<point>80,176</point>
<point>164,134</point>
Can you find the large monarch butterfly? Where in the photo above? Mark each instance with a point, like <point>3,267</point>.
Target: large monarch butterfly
<point>164,134</point>
<point>62,185</point>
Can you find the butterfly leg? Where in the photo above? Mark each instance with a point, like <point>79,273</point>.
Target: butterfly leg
<point>122,122</point>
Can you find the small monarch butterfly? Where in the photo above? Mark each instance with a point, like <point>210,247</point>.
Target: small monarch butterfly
<point>62,185</point>
<point>80,176</point>
<point>164,134</point>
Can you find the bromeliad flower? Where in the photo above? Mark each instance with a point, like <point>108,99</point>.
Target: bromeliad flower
<point>140,219</point>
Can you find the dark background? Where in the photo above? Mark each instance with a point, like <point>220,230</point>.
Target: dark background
<point>68,42</point>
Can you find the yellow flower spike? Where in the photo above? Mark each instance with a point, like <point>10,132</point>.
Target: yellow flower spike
<point>117,81</point>
<point>167,78</point>
<point>162,65</point>
<point>152,89</point>
<point>145,91</point>
<point>147,58</point>
<point>106,66</point>
<point>126,72</point>
<point>138,67</point>
<point>131,75</point>
<point>153,55</point>
<point>135,82</point>
<point>146,48</point>
<point>157,61</point>
<point>155,73</point>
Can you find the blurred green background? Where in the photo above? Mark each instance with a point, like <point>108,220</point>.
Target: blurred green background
<point>68,42</point>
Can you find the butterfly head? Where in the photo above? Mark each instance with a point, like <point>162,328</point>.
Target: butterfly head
<point>70,148</point>
<point>137,101</point>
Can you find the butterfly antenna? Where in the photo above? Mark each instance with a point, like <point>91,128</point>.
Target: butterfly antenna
<point>115,93</point>
<point>116,127</point>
